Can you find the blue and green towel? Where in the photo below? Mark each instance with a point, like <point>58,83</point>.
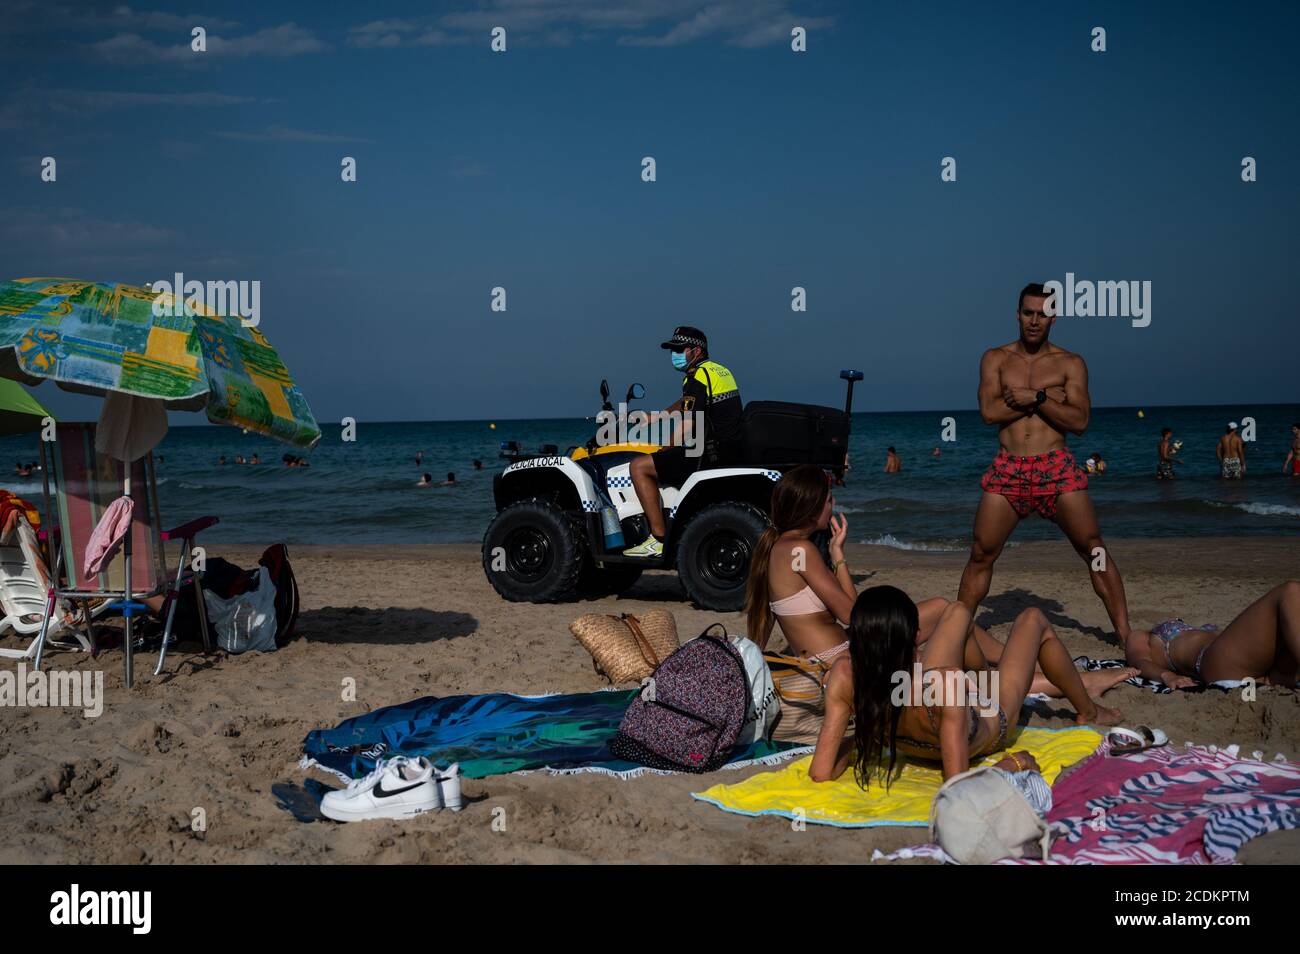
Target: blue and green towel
<point>497,733</point>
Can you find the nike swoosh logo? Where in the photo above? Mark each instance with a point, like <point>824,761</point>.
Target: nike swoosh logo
<point>381,792</point>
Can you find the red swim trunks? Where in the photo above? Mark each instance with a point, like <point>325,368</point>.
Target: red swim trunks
<point>1033,483</point>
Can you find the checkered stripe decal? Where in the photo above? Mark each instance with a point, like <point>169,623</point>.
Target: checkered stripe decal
<point>613,482</point>
<point>591,506</point>
<point>772,474</point>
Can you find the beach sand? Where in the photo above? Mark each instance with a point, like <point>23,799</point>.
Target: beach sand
<point>216,733</point>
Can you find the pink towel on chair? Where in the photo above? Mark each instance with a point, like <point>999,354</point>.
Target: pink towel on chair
<point>109,534</point>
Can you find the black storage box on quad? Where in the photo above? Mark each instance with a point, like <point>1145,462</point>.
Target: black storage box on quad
<point>780,434</point>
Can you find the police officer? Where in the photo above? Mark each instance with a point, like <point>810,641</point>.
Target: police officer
<point>710,409</point>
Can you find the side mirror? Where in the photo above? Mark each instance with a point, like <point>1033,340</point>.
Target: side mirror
<point>636,392</point>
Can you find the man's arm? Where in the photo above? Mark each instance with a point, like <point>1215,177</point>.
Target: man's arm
<point>993,408</point>
<point>674,408</point>
<point>1071,414</point>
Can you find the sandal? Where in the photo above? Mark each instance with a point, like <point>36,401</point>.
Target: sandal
<point>1124,741</point>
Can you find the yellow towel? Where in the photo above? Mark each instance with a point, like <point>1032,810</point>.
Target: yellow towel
<point>790,793</point>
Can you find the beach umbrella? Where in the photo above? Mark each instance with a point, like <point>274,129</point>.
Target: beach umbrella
<point>147,356</point>
<point>20,413</point>
<point>101,338</point>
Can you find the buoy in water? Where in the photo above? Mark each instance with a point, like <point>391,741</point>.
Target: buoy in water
<point>1142,414</point>
<point>492,426</point>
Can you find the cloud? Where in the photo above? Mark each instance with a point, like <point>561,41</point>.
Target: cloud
<point>659,23</point>
<point>34,107</point>
<point>66,229</point>
<point>285,134</point>
<point>23,16</point>
<point>285,40</point>
<point>85,100</point>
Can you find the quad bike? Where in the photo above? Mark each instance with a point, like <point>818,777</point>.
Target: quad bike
<point>547,542</point>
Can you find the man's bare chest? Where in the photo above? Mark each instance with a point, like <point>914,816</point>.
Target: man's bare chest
<point>1038,373</point>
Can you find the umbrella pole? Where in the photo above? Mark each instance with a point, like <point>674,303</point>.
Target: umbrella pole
<point>126,553</point>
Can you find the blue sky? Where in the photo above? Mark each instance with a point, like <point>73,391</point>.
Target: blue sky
<point>775,169</point>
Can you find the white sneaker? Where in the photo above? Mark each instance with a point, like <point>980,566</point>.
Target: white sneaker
<point>647,549</point>
<point>398,787</point>
<point>448,782</point>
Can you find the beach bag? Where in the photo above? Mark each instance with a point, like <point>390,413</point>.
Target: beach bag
<point>690,711</point>
<point>245,621</point>
<point>626,648</point>
<point>761,713</point>
<point>275,559</point>
<point>980,816</point>
<point>800,697</point>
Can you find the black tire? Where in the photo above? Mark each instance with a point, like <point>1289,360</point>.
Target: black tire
<point>613,579</point>
<point>713,554</point>
<point>542,552</point>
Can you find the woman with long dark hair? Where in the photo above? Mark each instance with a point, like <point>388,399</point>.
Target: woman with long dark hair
<point>943,718</point>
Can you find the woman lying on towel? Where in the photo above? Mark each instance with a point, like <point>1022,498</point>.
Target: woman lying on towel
<point>1262,643</point>
<point>950,719</point>
<point>790,583</point>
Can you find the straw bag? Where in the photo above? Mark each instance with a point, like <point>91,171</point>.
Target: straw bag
<point>626,648</point>
<point>798,684</point>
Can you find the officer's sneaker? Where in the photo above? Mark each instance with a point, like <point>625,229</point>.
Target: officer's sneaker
<point>647,549</point>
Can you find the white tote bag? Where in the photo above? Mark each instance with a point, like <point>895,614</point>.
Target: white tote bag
<point>246,620</point>
<point>763,705</point>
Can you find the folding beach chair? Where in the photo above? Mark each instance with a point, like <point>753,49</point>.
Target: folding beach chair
<point>85,484</point>
<point>25,592</point>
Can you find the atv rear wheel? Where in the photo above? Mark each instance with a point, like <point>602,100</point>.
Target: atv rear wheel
<point>713,554</point>
<point>533,552</point>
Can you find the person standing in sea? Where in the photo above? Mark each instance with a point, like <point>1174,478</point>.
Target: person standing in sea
<point>1037,393</point>
<point>1231,451</point>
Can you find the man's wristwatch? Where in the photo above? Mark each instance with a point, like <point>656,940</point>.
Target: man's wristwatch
<point>1040,397</point>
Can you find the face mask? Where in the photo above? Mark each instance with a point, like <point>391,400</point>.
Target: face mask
<point>679,360</point>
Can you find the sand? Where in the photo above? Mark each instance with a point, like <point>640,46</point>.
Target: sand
<point>215,733</point>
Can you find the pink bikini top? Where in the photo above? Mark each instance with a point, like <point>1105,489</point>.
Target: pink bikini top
<point>803,602</point>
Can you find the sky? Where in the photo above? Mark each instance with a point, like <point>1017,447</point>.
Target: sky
<point>522,170</point>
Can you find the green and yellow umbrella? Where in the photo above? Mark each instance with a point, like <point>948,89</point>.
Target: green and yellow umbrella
<point>102,338</point>
<point>20,413</point>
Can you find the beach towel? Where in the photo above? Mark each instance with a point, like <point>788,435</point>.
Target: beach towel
<point>10,502</point>
<point>497,733</point>
<point>789,792</point>
<point>1194,805</point>
<point>108,535</point>
<point>1088,664</point>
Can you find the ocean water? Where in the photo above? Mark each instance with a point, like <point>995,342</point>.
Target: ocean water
<point>364,491</point>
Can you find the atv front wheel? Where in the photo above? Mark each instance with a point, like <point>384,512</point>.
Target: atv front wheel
<point>533,553</point>
<point>713,554</point>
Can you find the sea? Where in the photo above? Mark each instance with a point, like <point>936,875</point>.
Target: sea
<point>364,491</point>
